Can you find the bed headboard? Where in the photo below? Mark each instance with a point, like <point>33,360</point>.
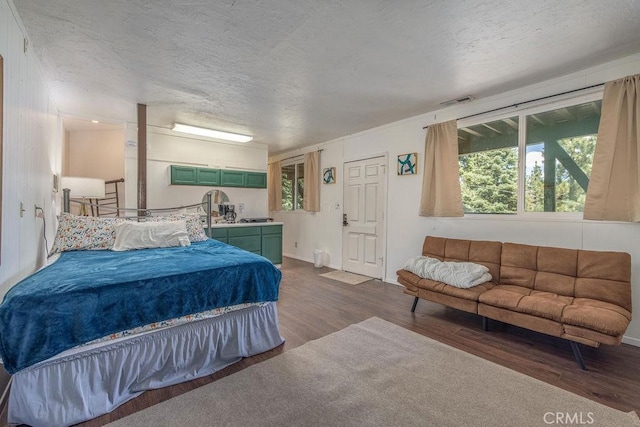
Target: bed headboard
<point>205,205</point>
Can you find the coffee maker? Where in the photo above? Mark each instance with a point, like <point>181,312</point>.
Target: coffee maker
<point>227,211</point>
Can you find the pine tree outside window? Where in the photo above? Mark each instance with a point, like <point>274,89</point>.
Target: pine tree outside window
<point>292,185</point>
<point>536,161</point>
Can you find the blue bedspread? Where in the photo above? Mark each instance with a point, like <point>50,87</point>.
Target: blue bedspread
<point>87,295</point>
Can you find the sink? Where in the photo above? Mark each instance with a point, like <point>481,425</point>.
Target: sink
<point>256,220</point>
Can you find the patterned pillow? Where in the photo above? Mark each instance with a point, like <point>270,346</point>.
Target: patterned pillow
<point>195,228</point>
<point>84,233</point>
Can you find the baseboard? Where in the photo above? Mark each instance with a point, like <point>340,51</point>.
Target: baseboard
<point>310,260</point>
<point>631,341</point>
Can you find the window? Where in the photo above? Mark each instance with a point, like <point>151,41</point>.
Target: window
<point>554,148</point>
<point>292,186</point>
<point>488,158</point>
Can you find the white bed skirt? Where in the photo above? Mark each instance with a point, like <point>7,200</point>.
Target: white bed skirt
<point>85,383</point>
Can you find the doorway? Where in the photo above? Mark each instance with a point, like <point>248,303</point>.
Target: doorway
<point>363,231</point>
<point>93,149</point>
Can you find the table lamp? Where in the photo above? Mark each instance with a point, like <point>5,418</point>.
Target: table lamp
<point>82,188</point>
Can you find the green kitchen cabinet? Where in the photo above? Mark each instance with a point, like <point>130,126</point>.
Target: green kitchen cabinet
<point>184,175</point>
<point>191,175</point>
<point>255,180</point>
<point>272,243</point>
<point>219,234</point>
<point>205,176</point>
<point>247,238</point>
<point>232,178</point>
<point>263,240</point>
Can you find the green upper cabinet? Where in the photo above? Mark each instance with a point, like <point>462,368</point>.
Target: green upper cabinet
<point>185,175</point>
<point>190,175</point>
<point>232,178</point>
<point>207,176</point>
<point>256,180</point>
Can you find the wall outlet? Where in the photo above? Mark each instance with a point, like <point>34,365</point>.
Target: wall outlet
<point>337,206</point>
<point>240,207</point>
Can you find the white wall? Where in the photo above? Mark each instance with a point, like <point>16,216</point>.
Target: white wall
<point>165,148</point>
<point>32,154</point>
<point>406,230</point>
<point>95,154</point>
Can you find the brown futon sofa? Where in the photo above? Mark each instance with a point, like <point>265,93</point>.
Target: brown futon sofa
<point>582,296</point>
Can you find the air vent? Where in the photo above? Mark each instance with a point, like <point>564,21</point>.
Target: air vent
<point>457,101</point>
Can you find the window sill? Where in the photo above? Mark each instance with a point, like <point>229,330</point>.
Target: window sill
<point>535,216</point>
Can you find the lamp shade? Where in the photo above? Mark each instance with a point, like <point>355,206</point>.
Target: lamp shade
<point>91,188</point>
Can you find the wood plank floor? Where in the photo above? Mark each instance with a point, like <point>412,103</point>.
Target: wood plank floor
<point>311,307</point>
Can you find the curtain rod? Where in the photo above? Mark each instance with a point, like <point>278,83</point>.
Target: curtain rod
<point>529,101</point>
<point>293,157</point>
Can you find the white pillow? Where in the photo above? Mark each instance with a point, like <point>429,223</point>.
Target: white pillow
<point>142,235</point>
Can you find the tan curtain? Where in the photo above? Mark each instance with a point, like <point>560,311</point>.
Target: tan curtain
<point>441,181</point>
<point>274,185</point>
<point>614,186</point>
<point>311,196</point>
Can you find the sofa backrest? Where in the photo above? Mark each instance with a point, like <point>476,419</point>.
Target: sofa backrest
<point>599,275</point>
<point>486,253</point>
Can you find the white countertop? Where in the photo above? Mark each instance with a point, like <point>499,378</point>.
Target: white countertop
<point>243,224</point>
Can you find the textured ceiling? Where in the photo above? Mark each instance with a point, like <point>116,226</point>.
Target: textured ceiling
<point>298,72</point>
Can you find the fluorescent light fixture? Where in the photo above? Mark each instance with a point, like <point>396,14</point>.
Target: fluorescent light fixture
<point>194,130</point>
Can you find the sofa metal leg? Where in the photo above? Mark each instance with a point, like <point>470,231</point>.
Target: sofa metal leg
<point>413,307</point>
<point>577,355</point>
<point>485,324</point>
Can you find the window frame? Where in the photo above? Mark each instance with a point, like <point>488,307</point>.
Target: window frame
<point>295,162</point>
<point>522,112</point>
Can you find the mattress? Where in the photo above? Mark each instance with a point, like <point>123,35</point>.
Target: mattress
<point>89,295</point>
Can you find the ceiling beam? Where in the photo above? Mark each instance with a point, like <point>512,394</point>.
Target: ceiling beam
<point>492,128</point>
<point>511,123</point>
<point>472,132</point>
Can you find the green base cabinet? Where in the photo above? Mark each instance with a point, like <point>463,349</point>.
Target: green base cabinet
<point>272,247</point>
<point>247,238</point>
<point>261,240</point>
<point>191,175</point>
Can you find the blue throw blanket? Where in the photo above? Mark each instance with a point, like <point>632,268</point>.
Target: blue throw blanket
<point>87,295</point>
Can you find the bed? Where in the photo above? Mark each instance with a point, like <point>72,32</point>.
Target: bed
<point>97,328</point>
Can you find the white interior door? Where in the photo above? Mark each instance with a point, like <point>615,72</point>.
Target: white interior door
<point>363,217</point>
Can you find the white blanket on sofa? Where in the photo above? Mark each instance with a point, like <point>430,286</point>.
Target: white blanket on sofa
<point>458,274</point>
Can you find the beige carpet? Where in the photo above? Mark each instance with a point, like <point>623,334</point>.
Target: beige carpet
<point>346,277</point>
<point>377,374</point>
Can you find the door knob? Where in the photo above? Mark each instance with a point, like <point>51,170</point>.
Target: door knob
<point>344,220</point>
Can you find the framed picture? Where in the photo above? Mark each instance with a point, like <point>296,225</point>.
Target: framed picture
<point>329,175</point>
<point>408,164</point>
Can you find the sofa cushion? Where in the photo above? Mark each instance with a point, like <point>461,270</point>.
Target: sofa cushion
<point>556,283</point>
<point>408,277</point>
<point>524,300</point>
<point>600,316</point>
<point>413,280</point>
<point>558,260</point>
<point>465,293</point>
<point>487,253</point>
